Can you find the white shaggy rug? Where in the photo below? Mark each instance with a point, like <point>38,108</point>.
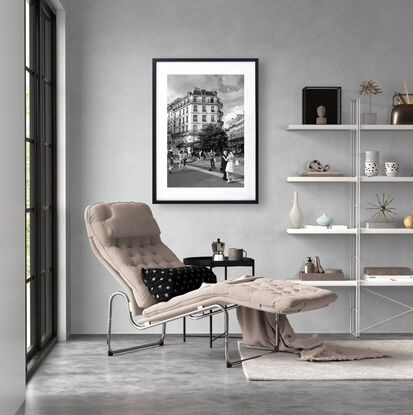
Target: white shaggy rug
<point>286,366</point>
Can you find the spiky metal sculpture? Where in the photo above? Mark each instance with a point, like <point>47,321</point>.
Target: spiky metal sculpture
<point>383,208</point>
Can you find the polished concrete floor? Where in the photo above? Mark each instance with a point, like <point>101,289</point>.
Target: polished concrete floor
<point>189,378</point>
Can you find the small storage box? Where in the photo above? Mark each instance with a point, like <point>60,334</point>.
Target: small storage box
<point>318,276</point>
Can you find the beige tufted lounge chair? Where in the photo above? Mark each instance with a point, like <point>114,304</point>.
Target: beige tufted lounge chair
<point>126,238</point>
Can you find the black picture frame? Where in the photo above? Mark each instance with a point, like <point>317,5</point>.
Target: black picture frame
<point>328,96</point>
<point>155,198</point>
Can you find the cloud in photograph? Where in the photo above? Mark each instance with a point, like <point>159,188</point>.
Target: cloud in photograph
<point>230,90</point>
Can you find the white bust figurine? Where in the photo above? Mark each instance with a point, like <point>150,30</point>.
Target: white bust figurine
<point>321,112</point>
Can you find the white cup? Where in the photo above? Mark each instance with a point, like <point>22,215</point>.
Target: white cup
<point>391,168</point>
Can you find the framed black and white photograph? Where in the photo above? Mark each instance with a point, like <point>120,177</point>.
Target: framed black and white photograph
<point>205,130</point>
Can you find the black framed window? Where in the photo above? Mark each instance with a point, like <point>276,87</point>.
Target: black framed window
<point>40,65</point>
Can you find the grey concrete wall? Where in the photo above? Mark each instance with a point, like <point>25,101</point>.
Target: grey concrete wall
<point>299,43</point>
<point>12,216</point>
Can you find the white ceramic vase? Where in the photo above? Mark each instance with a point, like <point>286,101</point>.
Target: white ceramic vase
<point>296,215</point>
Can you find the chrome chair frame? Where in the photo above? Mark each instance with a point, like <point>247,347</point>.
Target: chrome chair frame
<point>199,313</point>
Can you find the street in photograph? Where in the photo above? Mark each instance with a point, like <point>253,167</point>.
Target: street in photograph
<point>205,131</point>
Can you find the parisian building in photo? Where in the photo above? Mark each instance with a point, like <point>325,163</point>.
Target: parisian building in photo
<point>188,115</point>
<point>235,131</point>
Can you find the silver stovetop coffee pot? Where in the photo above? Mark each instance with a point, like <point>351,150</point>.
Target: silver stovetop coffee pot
<point>218,250</point>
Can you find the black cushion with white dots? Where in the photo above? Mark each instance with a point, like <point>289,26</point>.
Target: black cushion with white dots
<point>166,283</point>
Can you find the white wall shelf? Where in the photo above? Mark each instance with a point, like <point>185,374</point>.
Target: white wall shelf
<point>327,127</point>
<point>348,127</point>
<point>386,179</point>
<point>386,231</point>
<point>353,283</point>
<point>305,179</point>
<point>350,231</point>
<point>386,127</point>
<point>339,283</point>
<point>349,179</point>
<point>379,283</point>
<point>355,130</point>
<point>321,231</point>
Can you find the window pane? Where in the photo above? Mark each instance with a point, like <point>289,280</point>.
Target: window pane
<point>42,307</point>
<point>29,29</point>
<point>28,232</point>
<point>28,33</point>
<point>27,104</point>
<point>28,315</point>
<point>28,168</point>
<point>48,112</point>
<point>48,50</point>
<point>49,305</point>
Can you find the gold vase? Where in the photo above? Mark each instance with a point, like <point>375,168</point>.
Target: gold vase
<point>408,222</point>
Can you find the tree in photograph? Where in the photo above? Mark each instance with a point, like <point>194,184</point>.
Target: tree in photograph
<point>213,137</point>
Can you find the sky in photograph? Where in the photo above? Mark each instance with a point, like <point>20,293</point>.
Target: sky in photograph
<point>230,90</point>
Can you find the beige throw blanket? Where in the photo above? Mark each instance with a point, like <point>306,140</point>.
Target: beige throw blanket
<point>258,329</point>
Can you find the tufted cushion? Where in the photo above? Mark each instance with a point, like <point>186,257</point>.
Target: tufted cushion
<point>129,222</point>
<point>125,237</point>
<point>273,296</point>
<point>166,283</point>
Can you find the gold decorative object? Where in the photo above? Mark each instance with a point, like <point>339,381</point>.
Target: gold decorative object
<point>408,222</point>
<point>383,208</point>
<point>369,88</point>
<point>407,92</point>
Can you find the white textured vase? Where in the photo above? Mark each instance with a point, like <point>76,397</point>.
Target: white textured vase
<point>296,215</point>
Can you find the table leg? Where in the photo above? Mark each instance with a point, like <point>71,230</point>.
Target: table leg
<point>210,325</point>
<point>184,328</point>
<point>225,276</point>
<point>210,331</point>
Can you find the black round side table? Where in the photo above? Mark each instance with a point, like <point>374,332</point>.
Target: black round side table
<point>207,261</point>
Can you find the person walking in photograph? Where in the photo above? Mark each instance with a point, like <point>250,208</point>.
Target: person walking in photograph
<point>180,160</point>
<point>230,167</point>
<point>185,157</point>
<point>170,161</point>
<point>224,164</point>
<point>212,159</point>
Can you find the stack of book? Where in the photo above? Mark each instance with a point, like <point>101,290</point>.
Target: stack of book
<point>387,274</point>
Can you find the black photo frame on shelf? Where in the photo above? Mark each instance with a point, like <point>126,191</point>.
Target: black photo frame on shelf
<point>327,96</point>
<point>205,130</point>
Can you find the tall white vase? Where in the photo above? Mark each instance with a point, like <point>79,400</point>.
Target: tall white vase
<point>296,215</point>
